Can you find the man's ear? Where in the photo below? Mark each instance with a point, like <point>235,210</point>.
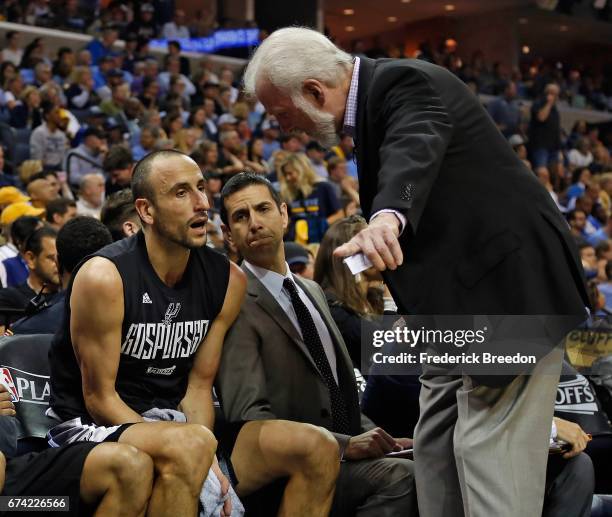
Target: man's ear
<point>227,233</point>
<point>145,210</point>
<point>130,228</point>
<point>314,89</point>
<point>30,260</point>
<point>284,215</point>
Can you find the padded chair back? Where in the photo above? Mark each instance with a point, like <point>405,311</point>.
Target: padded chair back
<point>24,369</point>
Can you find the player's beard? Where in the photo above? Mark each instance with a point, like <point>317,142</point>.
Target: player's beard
<point>325,127</point>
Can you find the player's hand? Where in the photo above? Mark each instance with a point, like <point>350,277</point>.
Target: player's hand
<point>371,444</point>
<point>378,242</point>
<point>7,408</point>
<point>573,434</point>
<point>226,511</point>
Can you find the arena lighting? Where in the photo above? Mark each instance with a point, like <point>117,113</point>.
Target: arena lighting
<point>392,19</point>
<point>349,12</point>
<point>349,28</point>
<point>449,7</point>
<point>564,28</point>
<point>526,49</point>
<point>523,21</point>
<point>405,1</point>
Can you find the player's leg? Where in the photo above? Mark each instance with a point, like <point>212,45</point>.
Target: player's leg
<point>308,455</point>
<point>118,478</point>
<point>182,455</point>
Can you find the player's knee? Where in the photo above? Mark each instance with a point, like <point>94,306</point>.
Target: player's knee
<point>188,451</point>
<point>132,465</point>
<point>319,451</point>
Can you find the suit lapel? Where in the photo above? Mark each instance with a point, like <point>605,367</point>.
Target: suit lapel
<point>366,71</point>
<point>266,301</point>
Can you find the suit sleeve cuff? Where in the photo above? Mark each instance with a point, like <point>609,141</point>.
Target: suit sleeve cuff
<point>400,217</point>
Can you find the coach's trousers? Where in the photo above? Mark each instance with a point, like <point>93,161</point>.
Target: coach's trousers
<point>482,451</point>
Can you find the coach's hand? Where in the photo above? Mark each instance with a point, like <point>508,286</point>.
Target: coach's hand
<point>371,444</point>
<point>573,434</point>
<point>7,408</point>
<point>378,242</point>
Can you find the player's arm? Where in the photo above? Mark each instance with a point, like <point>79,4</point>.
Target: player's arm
<point>96,305</point>
<point>2,471</point>
<point>197,403</point>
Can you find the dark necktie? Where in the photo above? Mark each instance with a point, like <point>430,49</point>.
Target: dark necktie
<point>315,347</point>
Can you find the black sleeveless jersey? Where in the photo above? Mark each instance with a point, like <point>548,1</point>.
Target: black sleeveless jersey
<point>162,330</point>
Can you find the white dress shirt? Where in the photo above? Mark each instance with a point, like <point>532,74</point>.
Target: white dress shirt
<point>273,282</point>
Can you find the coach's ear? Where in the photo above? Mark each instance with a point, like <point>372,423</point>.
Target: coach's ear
<point>227,233</point>
<point>145,210</point>
<point>314,89</point>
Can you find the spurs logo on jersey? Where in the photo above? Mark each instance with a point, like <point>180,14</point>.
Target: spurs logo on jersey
<point>165,340</point>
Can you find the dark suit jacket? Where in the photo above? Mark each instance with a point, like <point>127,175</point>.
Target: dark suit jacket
<point>267,372</point>
<point>483,236</point>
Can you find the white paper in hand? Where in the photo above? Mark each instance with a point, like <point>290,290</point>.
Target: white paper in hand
<point>357,263</point>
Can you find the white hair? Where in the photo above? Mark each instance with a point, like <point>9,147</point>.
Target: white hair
<point>291,55</point>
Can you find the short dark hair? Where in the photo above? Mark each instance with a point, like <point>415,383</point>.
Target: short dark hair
<point>241,181</point>
<point>118,157</point>
<point>174,43</point>
<point>58,206</point>
<point>47,107</point>
<point>10,34</point>
<point>79,238</point>
<point>34,242</point>
<point>118,208</point>
<point>22,228</point>
<point>571,215</point>
<point>141,187</point>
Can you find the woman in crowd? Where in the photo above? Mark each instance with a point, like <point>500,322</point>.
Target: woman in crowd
<point>27,113</point>
<point>255,156</point>
<point>80,94</point>
<point>353,301</point>
<point>13,86</point>
<point>312,203</point>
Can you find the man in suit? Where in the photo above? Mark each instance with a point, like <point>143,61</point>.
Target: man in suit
<point>285,358</point>
<point>458,225</point>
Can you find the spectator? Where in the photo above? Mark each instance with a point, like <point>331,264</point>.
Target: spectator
<point>40,255</point>
<point>346,149</point>
<point>518,144</point>
<point>114,107</point>
<point>176,29</point>
<point>173,69</point>
<point>345,186</point>
<point>6,180</point>
<point>13,87</point>
<point>59,183</point>
<point>78,238</point>
<point>80,93</point>
<point>144,26</point>
<point>63,66</point>
<point>86,158</point>
<point>271,132</point>
<point>148,139</point>
<point>27,113</point>
<point>119,215</point>
<point>228,162</point>
<point>312,203</point>
<point>174,49</point>
<point>91,195</point>
<point>589,260</point>
<point>545,129</point>
<point>49,142</point>
<point>28,169</point>
<point>12,52</point>
<point>33,54</point>
<point>577,220</point>
<point>581,156</point>
<point>316,154</point>
<point>300,260</point>
<point>505,110</point>
<point>118,165</point>
<point>99,48</point>
<point>255,159</point>
<point>41,192</point>
<point>59,212</point>
<point>347,295</point>
<point>13,269</point>
<point>42,74</point>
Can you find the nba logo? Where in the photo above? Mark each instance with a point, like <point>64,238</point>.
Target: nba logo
<point>7,380</point>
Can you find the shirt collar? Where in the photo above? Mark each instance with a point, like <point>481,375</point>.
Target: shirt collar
<point>272,280</point>
<point>350,111</point>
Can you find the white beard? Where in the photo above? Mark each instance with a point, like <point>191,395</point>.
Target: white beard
<point>325,127</point>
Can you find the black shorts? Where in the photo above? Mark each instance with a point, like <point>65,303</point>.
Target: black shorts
<point>49,473</point>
